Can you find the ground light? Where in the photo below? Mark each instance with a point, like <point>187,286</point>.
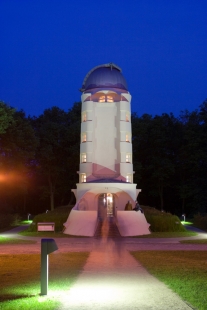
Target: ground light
<point>186,223</point>
<point>47,246</point>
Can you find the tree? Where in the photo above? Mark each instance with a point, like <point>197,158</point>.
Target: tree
<point>58,133</point>
<point>6,117</point>
<point>154,149</point>
<point>17,150</point>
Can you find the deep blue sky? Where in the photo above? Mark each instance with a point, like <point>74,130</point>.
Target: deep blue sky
<point>48,46</point>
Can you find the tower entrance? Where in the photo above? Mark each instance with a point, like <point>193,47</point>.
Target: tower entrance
<point>105,206</point>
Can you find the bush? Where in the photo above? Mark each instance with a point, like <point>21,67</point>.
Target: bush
<point>162,221</point>
<point>58,216</point>
<point>200,221</point>
<point>8,220</point>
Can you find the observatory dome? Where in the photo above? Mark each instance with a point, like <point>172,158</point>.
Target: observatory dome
<point>106,76</point>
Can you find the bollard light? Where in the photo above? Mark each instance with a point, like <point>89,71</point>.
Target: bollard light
<point>47,246</point>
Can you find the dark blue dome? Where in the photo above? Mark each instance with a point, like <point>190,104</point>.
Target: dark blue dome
<point>106,77</point>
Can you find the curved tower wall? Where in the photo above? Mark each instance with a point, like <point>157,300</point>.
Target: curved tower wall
<point>106,168</point>
<point>106,148</point>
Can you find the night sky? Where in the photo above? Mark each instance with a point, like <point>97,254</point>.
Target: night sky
<point>48,46</point>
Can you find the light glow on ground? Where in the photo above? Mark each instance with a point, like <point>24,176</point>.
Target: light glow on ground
<point>186,223</point>
<point>101,291</point>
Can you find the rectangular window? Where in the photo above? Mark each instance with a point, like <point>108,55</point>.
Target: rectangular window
<point>128,158</point>
<point>127,117</point>
<point>83,158</point>
<point>127,137</point>
<point>129,178</point>
<point>84,137</point>
<point>84,117</point>
<point>83,177</point>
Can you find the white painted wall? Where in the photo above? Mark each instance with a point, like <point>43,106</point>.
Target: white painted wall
<point>81,223</point>
<point>106,128</point>
<point>105,133</point>
<point>132,223</point>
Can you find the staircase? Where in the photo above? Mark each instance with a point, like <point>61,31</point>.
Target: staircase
<point>107,228</point>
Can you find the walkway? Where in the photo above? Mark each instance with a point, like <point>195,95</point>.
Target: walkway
<point>112,278</point>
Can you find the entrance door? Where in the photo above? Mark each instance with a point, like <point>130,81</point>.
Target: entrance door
<point>105,205</point>
<point>110,205</point>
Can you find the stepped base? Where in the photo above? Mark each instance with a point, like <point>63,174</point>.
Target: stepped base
<point>107,229</point>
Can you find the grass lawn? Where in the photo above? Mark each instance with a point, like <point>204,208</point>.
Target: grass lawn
<point>195,241</point>
<point>48,234</point>
<point>174,234</point>
<point>6,240</point>
<point>26,222</point>
<point>184,272</point>
<point>20,279</point>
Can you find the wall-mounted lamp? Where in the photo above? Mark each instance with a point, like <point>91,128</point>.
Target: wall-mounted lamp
<point>47,246</point>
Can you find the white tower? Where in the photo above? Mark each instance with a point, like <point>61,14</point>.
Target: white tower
<point>106,149</point>
<point>106,168</point>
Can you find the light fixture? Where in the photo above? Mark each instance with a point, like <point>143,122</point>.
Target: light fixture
<point>47,246</point>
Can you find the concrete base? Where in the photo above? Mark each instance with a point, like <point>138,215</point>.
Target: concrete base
<point>132,223</point>
<point>81,223</point>
<point>84,223</point>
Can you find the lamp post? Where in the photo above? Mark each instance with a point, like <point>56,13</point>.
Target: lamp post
<point>47,246</point>
<point>183,217</point>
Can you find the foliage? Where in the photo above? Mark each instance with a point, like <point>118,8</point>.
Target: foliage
<point>17,150</point>
<point>182,271</point>
<point>162,221</point>
<point>200,221</point>
<point>39,159</point>
<point>58,151</point>
<point>7,220</point>
<point>172,156</point>
<point>58,216</point>
<point>6,116</point>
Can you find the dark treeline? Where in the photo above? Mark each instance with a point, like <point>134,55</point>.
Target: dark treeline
<point>39,159</point>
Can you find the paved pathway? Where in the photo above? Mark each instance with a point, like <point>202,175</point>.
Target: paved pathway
<point>112,278</point>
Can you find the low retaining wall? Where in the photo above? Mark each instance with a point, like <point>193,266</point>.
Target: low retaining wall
<point>81,223</point>
<point>132,223</point>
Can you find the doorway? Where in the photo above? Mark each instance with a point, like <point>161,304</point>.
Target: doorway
<point>105,205</point>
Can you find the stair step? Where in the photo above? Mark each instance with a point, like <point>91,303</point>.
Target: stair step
<point>107,228</point>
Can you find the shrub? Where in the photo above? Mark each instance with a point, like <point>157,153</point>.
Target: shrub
<point>58,216</point>
<point>200,221</point>
<point>8,220</point>
<point>162,221</point>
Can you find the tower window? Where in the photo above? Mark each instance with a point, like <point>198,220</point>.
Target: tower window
<point>128,158</point>
<point>83,177</point>
<point>83,158</point>
<point>106,98</point>
<point>109,99</point>
<point>84,117</point>
<point>101,99</point>
<point>127,117</point>
<point>127,137</point>
<point>129,178</point>
<point>83,137</point>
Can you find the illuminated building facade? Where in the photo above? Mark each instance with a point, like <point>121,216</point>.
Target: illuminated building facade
<point>106,163</point>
